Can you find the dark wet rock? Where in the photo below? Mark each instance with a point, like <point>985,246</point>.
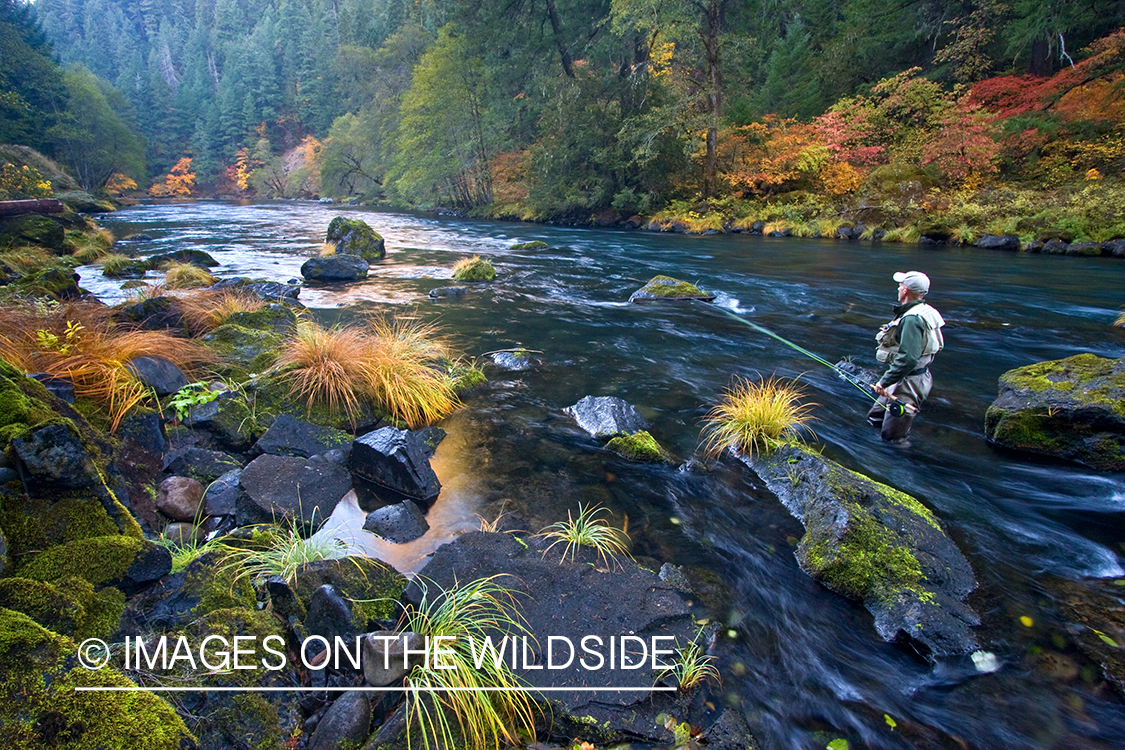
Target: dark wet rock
<point>870,542</point>
<point>517,361</point>
<point>153,314</point>
<point>1035,246</point>
<point>289,436</point>
<point>431,438</point>
<point>181,597</point>
<point>355,237</point>
<point>56,454</point>
<point>179,497</point>
<point>385,660</point>
<point>345,724</point>
<point>221,496</point>
<point>564,599</point>
<point>330,615</point>
<point>604,416</point>
<point>849,233</point>
<point>1084,248</point>
<point>395,459</point>
<point>399,523</point>
<point>277,487</point>
<point>269,291</point>
<point>137,238</point>
<point>936,233</point>
<point>158,373</point>
<point>59,387</point>
<point>1071,408</point>
<point>199,463</point>
<point>195,257</point>
<point>450,291</point>
<point>667,288</point>
<point>335,268</point>
<point>1056,234</point>
<point>1055,247</point>
<point>60,283</point>
<point>785,232</point>
<point>1010,242</point>
<point>1116,248</point>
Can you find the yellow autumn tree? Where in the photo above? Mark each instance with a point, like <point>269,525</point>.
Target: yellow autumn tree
<point>178,183</point>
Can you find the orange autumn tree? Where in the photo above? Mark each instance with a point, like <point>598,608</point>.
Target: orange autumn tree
<point>177,184</point>
<point>119,183</point>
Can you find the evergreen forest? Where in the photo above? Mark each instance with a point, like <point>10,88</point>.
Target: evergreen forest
<point>696,110</point>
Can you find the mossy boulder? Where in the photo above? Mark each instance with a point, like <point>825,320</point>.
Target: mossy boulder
<point>872,543</point>
<point>33,230</point>
<point>244,349</point>
<point>208,583</point>
<point>354,237</point>
<point>230,418</point>
<point>39,706</point>
<point>667,288</point>
<point>1071,408</point>
<point>371,587</point>
<point>121,561</point>
<point>274,317</point>
<point>639,446</point>
<point>474,269</point>
<point>70,606</point>
<point>84,202</point>
<point>56,281</point>
<point>36,523</point>
<point>533,245</point>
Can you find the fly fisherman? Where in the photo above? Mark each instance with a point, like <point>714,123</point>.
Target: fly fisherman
<point>907,345</point>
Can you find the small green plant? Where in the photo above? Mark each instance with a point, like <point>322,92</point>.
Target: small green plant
<point>692,666</point>
<point>473,269</point>
<point>186,551</point>
<point>50,341</point>
<point>191,395</point>
<point>756,417</point>
<point>587,530</point>
<point>446,702</point>
<point>281,551</point>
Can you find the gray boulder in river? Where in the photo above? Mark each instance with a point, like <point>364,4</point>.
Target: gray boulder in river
<point>335,268</point>
<point>870,542</point>
<point>604,416</point>
<point>1072,408</point>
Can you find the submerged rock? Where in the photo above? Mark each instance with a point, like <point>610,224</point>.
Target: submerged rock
<point>603,416</point>
<point>1071,408</point>
<point>399,523</point>
<point>665,287</point>
<point>870,542</point>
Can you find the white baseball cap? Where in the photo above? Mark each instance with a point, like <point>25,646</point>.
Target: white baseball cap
<point>915,281</point>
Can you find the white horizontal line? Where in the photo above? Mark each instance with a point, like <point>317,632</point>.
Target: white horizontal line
<point>163,689</point>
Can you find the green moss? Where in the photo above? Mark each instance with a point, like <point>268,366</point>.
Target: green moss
<point>218,586</point>
<point>247,350</point>
<point>868,563</point>
<point>99,560</point>
<point>474,269</point>
<point>890,494</point>
<point>640,446</point>
<point>275,318</point>
<point>36,523</point>
<point>39,706</point>
<point>372,587</point>
<point>533,245</point>
<point>355,237</point>
<point>667,287</point>
<point>464,377</point>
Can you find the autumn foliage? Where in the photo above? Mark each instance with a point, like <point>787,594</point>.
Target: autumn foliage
<point>177,184</point>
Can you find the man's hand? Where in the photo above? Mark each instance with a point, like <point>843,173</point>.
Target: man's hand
<point>880,390</point>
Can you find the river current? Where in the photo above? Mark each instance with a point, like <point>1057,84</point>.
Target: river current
<point>804,665</point>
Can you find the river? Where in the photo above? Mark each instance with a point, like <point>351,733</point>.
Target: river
<point>804,665</point>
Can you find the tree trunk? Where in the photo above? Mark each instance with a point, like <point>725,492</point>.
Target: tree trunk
<point>709,29</point>
<point>556,27</point>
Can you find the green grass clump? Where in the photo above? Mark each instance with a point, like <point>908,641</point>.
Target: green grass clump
<point>186,551</point>
<point>113,264</point>
<point>475,268</point>
<point>692,666</point>
<point>25,258</point>
<point>587,530</point>
<point>186,276</point>
<point>756,417</point>
<point>280,551</point>
<point>446,704</point>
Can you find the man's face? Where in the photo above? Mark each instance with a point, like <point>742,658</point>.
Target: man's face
<point>903,294</point>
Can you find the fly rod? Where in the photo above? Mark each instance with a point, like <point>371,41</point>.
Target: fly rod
<point>896,407</point>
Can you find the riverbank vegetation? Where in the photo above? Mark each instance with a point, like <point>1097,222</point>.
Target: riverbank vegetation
<point>948,121</point>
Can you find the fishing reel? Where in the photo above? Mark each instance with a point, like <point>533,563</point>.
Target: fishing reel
<point>896,409</point>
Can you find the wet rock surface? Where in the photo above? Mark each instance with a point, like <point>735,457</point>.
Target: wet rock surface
<point>870,542</point>
<point>283,487</point>
<point>397,460</point>
<point>1071,408</point>
<point>603,416</point>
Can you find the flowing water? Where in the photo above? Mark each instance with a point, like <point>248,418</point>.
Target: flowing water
<point>804,665</point>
